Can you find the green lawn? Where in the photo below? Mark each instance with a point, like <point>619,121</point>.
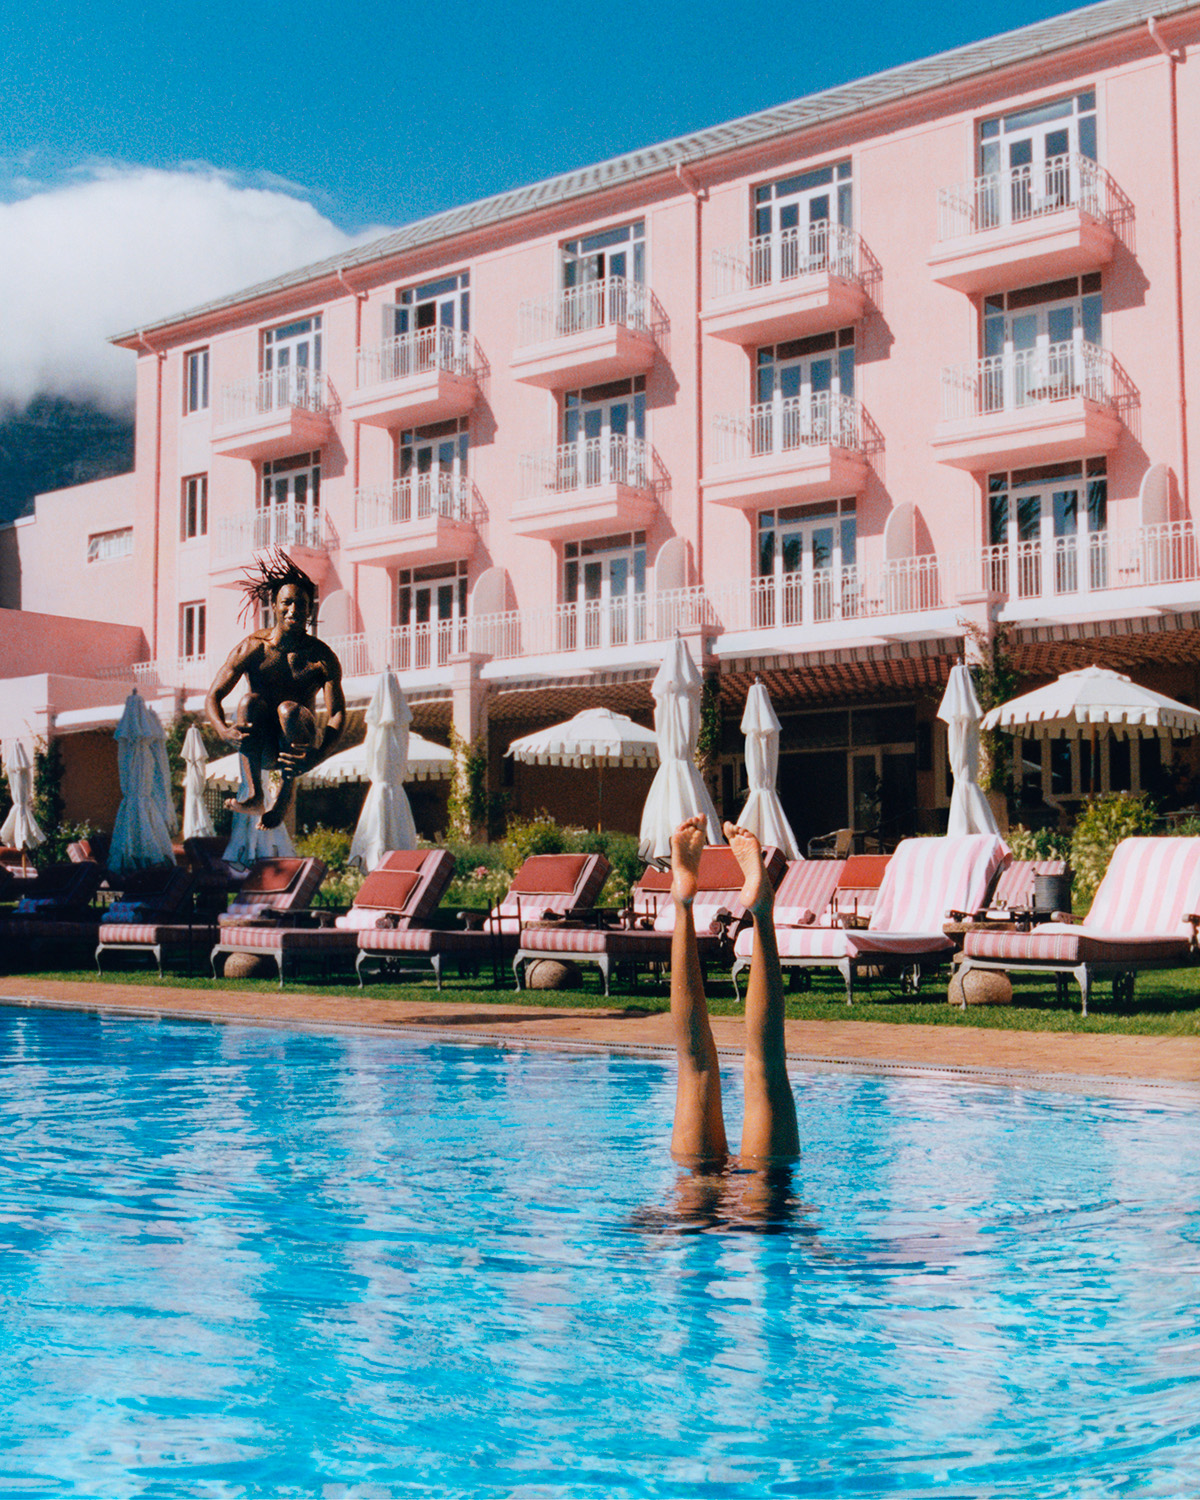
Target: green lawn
<point>1166,1003</point>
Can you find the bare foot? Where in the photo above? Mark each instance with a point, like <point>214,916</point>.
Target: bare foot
<point>273,818</point>
<point>247,809</point>
<point>687,845</point>
<point>758,894</point>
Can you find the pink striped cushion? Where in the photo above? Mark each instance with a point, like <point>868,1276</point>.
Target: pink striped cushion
<point>1063,943</point>
<point>288,939</point>
<point>1150,886</point>
<point>806,890</point>
<point>927,877</point>
<point>839,942</point>
<point>422,940</point>
<point>163,934</point>
<point>1015,887</point>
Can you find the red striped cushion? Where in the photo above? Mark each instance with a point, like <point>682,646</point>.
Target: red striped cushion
<point>422,940</point>
<point>162,934</point>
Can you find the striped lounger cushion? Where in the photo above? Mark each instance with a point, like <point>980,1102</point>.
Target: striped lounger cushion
<point>289,939</point>
<point>1061,943</point>
<point>803,897</point>
<point>421,940</point>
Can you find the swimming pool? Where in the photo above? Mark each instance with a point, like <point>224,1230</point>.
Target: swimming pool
<point>240,1261</point>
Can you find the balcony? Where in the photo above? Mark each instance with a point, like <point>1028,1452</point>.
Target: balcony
<point>586,335</point>
<point>416,378</point>
<point>787,285</point>
<point>614,630</point>
<point>423,517</point>
<point>1046,577</point>
<point>1031,406</point>
<point>804,447</point>
<point>426,649</point>
<point>593,486</point>
<point>269,416</point>
<point>300,530</point>
<point>1027,225</point>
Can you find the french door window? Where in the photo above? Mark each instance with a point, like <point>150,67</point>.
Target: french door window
<point>289,512</point>
<point>803,393</point>
<point>1030,161</point>
<point>431,470</point>
<point>603,280</point>
<point>805,564</point>
<point>1048,529</point>
<point>431,614</point>
<point>796,221</point>
<point>604,587</point>
<point>425,328</point>
<point>604,432</point>
<point>1042,343</point>
<point>291,362</point>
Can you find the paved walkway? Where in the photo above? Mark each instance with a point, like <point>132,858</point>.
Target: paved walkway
<point>1016,1056</point>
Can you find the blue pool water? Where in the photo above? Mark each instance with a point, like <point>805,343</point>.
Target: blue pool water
<point>252,1262</point>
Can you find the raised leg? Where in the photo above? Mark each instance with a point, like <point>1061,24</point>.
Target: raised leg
<point>699,1132</point>
<point>770,1132</point>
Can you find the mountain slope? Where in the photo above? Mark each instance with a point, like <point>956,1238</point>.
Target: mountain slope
<point>54,443</point>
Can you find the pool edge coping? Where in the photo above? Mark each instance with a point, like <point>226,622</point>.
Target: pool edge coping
<point>1010,1077</point>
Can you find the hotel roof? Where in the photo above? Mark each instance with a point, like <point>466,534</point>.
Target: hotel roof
<point>1092,23</point>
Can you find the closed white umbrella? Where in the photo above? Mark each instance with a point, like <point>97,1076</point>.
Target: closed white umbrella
<point>386,820</point>
<point>763,813</point>
<point>146,817</point>
<point>594,738</point>
<point>196,822</point>
<point>678,790</point>
<point>970,811</point>
<point>20,829</point>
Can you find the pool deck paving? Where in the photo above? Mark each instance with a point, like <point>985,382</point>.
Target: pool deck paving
<point>1066,1058</point>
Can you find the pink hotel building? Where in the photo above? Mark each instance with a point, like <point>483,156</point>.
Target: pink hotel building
<point>823,389</point>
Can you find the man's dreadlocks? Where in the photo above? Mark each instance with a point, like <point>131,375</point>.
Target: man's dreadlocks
<point>275,571</point>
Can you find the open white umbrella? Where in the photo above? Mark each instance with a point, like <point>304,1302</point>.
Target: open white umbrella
<point>386,820</point>
<point>146,817</point>
<point>678,790</point>
<point>426,762</point>
<point>20,829</point>
<point>595,737</point>
<point>1094,699</point>
<point>196,822</point>
<point>763,813</point>
<point>970,811</point>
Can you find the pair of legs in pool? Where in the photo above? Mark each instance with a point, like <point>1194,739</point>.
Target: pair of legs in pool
<point>769,1133</point>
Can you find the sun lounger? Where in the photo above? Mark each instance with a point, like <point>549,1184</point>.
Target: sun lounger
<point>154,914</point>
<point>717,913</point>
<point>402,891</point>
<point>546,886</point>
<point>857,888</point>
<point>54,917</point>
<point>924,879</point>
<point>1143,916</point>
<point>806,895</point>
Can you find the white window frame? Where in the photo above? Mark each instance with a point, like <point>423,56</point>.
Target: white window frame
<point>193,507</point>
<point>109,546</point>
<point>193,630</point>
<point>196,385</point>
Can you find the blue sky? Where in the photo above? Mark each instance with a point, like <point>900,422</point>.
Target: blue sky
<point>386,110</point>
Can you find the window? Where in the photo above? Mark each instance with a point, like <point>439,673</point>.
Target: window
<point>193,510</point>
<point>289,512</point>
<point>432,603</point>
<point>195,381</point>
<point>431,470</point>
<point>802,391</point>
<point>291,362</point>
<point>604,431</point>
<point>192,626</point>
<point>445,303</point>
<point>798,223</point>
<point>1035,160</point>
<point>1047,528</point>
<point>605,579</point>
<point>1042,343</point>
<point>619,252</point>
<point>105,546</point>
<point>805,561</point>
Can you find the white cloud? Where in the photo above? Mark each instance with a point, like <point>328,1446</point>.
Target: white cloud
<point>125,246</point>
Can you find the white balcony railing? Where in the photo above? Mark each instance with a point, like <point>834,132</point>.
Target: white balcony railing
<point>1019,194</point>
<point>617,620</point>
<point>1029,377</point>
<point>277,390</point>
<point>788,423</point>
<point>404,648</point>
<point>587,464</point>
<point>784,255</point>
<point>1049,567</point>
<point>608,302</point>
<point>420,353</point>
<point>417,497</point>
<point>821,596</point>
<point>272,526</point>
